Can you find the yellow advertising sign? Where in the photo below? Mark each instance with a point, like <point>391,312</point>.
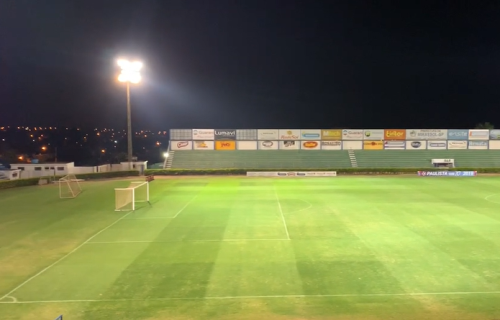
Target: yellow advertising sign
<point>225,145</point>
<point>331,134</point>
<point>373,145</point>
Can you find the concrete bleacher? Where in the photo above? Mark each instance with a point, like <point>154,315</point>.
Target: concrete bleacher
<point>258,159</point>
<point>422,158</point>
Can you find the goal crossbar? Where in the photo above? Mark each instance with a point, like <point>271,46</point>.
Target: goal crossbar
<point>69,187</point>
<point>126,198</point>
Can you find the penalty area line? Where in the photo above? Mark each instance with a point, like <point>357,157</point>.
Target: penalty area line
<point>178,241</point>
<point>353,295</point>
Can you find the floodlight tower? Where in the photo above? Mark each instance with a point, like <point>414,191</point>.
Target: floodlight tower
<point>130,73</point>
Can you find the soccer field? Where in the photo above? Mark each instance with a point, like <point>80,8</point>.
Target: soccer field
<point>237,248</point>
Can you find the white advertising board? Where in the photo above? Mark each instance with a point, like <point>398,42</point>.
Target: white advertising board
<point>457,144</point>
<point>373,134</point>
<point>331,145</point>
<point>478,145</point>
<point>310,145</point>
<point>289,134</point>
<point>291,174</point>
<point>495,144</point>
<point>246,145</point>
<point>267,134</point>
<point>268,145</point>
<point>352,134</point>
<point>416,145</point>
<point>395,145</point>
<point>203,145</point>
<point>181,145</point>
<point>312,134</point>
<point>352,145</point>
<point>437,145</point>
<point>426,134</point>
<point>479,134</point>
<point>203,134</point>
<point>289,145</point>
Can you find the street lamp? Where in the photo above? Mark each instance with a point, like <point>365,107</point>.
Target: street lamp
<point>130,73</point>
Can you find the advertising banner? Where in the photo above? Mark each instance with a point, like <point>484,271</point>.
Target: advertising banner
<point>478,145</point>
<point>394,134</point>
<point>267,134</point>
<point>494,145</point>
<point>181,134</point>
<point>416,145</point>
<point>292,174</point>
<point>203,134</point>
<point>495,134</point>
<point>268,145</point>
<point>289,145</point>
<point>375,134</point>
<point>203,145</point>
<point>437,145</point>
<point>352,145</point>
<point>310,145</point>
<point>310,134</point>
<point>395,145</point>
<point>246,134</point>
<point>225,134</point>
<point>225,145</point>
<point>331,145</point>
<point>458,134</point>
<point>479,134</point>
<point>331,134</point>
<point>352,134</point>
<point>426,134</point>
<point>373,145</point>
<point>246,145</point>
<point>288,134</point>
<point>457,144</point>
<point>181,145</point>
<point>447,173</point>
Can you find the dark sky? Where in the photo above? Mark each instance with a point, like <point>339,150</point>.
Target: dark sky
<point>252,63</point>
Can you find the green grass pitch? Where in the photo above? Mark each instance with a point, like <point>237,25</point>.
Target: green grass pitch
<point>343,248</point>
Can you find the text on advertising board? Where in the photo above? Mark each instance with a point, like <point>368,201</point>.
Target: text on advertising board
<point>225,145</point>
<point>479,134</point>
<point>289,134</point>
<point>203,134</point>
<point>426,134</point>
<point>495,134</point>
<point>373,145</point>
<point>227,134</point>
<point>331,134</point>
<point>376,134</point>
<point>310,134</point>
<point>447,173</point>
<point>458,134</point>
<point>352,134</point>
<point>395,134</point>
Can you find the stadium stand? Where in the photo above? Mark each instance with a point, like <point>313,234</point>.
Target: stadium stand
<point>258,159</point>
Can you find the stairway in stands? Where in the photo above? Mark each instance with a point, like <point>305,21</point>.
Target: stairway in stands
<point>167,164</point>
<point>352,157</point>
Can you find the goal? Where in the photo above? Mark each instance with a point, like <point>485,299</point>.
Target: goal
<point>126,198</point>
<point>69,187</point>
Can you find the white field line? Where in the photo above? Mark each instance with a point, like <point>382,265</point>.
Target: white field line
<point>65,256</point>
<point>353,295</point>
<point>487,198</point>
<point>300,210</point>
<point>177,241</point>
<point>185,206</point>
<point>281,212</point>
<point>150,218</point>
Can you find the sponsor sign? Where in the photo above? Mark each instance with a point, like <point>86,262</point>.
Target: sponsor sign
<point>331,145</point>
<point>203,134</point>
<point>289,134</point>
<point>181,134</point>
<point>482,145</point>
<point>225,145</point>
<point>225,134</point>
<point>203,145</point>
<point>494,145</point>
<point>495,134</point>
<point>457,144</point>
<point>373,145</point>
<point>331,134</point>
<point>426,134</point>
<point>246,134</point>
<point>352,134</point>
<point>479,134</point>
<point>352,145</point>
<point>310,134</point>
<point>289,145</point>
<point>246,145</point>
<point>267,134</point>
<point>447,173</point>
<point>310,145</point>
<point>437,145</point>
<point>416,145</point>
<point>268,145</point>
<point>394,134</point>
<point>395,145</point>
<point>181,145</point>
<point>292,174</point>
<point>375,134</point>
<point>458,134</point>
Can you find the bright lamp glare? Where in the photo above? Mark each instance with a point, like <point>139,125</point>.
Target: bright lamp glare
<point>165,154</point>
<point>130,71</point>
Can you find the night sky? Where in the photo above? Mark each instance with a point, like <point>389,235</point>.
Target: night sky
<point>251,63</point>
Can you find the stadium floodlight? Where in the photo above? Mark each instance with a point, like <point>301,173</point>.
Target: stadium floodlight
<point>165,154</point>
<point>130,73</point>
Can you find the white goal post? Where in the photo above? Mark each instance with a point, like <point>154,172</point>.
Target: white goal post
<point>69,187</point>
<point>126,198</point>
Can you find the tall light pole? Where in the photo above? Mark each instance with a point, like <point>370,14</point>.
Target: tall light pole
<point>130,73</point>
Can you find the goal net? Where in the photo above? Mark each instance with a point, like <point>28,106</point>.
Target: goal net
<point>126,198</point>
<point>69,187</point>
